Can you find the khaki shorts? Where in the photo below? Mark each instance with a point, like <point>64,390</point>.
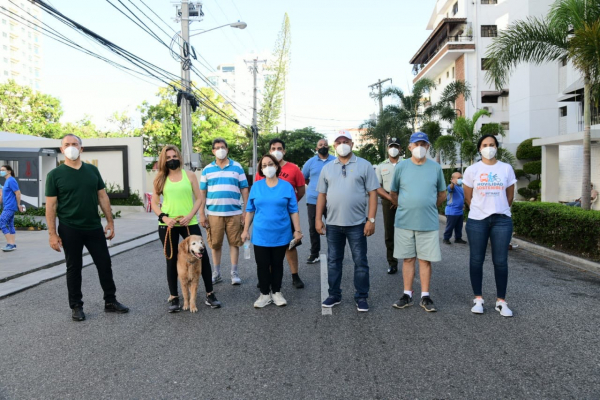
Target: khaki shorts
<point>219,226</point>
<point>425,245</point>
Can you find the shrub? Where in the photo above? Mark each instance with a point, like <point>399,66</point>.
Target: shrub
<point>526,193</point>
<point>568,229</point>
<point>533,167</point>
<point>25,221</point>
<point>134,199</point>
<point>519,173</point>
<point>535,185</point>
<point>526,150</point>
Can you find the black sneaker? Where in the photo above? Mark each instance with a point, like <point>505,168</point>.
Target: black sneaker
<point>427,304</point>
<point>392,269</point>
<point>312,259</point>
<point>211,300</point>
<point>174,305</point>
<point>362,305</point>
<point>115,306</point>
<point>460,241</point>
<point>446,241</point>
<point>297,282</point>
<point>405,301</point>
<point>77,314</point>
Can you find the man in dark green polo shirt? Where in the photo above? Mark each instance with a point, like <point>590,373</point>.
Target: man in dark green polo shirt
<point>73,192</point>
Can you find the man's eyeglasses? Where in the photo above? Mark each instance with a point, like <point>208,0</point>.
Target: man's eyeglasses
<point>344,170</point>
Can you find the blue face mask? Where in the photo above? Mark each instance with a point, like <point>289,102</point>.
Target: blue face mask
<point>2,173</point>
<point>459,181</point>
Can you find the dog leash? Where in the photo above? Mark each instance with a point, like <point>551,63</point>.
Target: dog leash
<point>168,237</point>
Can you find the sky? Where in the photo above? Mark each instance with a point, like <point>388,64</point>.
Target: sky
<point>339,48</point>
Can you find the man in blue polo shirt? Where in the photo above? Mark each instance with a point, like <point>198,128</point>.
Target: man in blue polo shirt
<point>222,185</point>
<point>312,171</point>
<point>345,186</point>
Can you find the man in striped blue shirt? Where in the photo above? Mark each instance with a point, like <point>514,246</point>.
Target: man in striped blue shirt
<point>222,184</point>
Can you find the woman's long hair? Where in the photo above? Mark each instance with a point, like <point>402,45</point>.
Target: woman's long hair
<point>163,171</point>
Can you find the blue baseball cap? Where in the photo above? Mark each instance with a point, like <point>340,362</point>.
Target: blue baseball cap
<point>419,136</point>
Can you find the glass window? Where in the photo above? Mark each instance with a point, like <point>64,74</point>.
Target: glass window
<point>489,1</point>
<point>483,64</point>
<point>563,111</point>
<point>489,30</point>
<point>455,8</point>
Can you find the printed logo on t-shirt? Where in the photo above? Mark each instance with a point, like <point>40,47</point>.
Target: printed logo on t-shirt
<point>489,185</point>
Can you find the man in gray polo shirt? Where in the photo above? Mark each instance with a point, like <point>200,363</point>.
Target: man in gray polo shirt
<point>344,186</point>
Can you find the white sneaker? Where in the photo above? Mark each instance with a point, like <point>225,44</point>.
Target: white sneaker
<point>278,299</point>
<point>216,277</point>
<point>235,278</point>
<point>263,300</point>
<point>478,307</point>
<point>502,307</point>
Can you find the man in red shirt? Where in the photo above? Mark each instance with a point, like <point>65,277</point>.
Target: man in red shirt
<point>292,174</point>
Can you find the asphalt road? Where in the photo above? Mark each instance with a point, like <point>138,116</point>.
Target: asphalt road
<point>549,349</point>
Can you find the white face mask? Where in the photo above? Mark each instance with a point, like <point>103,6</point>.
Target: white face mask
<point>489,152</point>
<point>221,153</point>
<point>277,154</point>
<point>393,152</point>
<point>269,171</point>
<point>343,149</point>
<point>71,152</point>
<point>419,152</point>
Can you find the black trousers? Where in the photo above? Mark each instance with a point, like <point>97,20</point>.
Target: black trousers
<point>73,241</point>
<point>315,238</point>
<point>389,216</point>
<point>269,267</point>
<point>172,263</point>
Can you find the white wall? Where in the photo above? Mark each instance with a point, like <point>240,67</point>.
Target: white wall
<point>570,167</point>
<point>110,172</point>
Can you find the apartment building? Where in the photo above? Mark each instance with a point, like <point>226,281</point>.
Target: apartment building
<point>235,82</point>
<point>21,43</point>
<point>540,101</point>
<point>462,30</point>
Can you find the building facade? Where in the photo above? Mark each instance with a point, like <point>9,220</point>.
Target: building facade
<point>539,101</point>
<point>21,43</point>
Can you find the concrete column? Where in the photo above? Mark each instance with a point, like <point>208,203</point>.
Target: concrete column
<point>550,173</point>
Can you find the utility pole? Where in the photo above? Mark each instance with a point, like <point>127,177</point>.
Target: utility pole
<point>378,84</point>
<point>380,98</point>
<point>186,116</point>
<point>254,70</point>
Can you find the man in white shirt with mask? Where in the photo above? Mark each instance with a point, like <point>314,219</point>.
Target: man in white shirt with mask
<point>385,173</point>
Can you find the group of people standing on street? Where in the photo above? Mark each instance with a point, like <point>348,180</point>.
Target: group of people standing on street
<point>342,196</point>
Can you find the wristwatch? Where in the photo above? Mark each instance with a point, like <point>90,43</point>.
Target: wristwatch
<point>371,220</point>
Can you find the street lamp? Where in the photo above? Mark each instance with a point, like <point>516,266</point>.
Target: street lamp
<point>239,25</point>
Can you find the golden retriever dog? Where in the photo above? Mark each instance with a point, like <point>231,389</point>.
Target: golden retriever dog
<point>189,269</point>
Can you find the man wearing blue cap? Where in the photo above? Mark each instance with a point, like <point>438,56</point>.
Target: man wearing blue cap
<point>418,188</point>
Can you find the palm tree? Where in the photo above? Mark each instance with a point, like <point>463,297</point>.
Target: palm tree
<point>571,30</point>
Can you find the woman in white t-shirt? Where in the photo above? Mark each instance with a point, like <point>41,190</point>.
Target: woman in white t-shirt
<point>489,187</point>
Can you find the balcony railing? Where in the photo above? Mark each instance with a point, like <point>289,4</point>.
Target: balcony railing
<point>450,39</point>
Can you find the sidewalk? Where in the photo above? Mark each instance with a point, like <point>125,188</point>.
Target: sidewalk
<point>34,261</point>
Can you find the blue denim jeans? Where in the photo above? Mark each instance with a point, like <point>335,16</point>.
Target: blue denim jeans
<point>336,243</point>
<point>497,228</point>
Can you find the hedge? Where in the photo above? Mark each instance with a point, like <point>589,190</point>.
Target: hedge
<point>535,185</point>
<point>568,229</point>
<point>533,167</point>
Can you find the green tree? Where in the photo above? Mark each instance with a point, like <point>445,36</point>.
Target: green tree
<point>161,124</point>
<point>300,144</point>
<point>84,128</point>
<point>29,113</point>
<point>571,31</point>
<point>275,80</point>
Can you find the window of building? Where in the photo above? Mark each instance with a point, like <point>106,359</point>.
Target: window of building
<point>563,62</point>
<point>452,72</point>
<point>489,30</point>
<point>439,81</point>
<point>36,50</point>
<point>447,74</point>
<point>3,22</point>
<point>455,8</point>
<point>4,34</point>
<point>228,69</point>
<point>483,64</point>
<point>6,73</point>
<point>563,111</point>
<point>489,99</point>
<point>5,60</point>
<point>489,1</point>
<point>5,47</point>
<point>505,125</point>
<point>225,80</point>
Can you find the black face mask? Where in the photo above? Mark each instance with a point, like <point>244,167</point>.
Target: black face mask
<point>323,151</point>
<point>173,164</point>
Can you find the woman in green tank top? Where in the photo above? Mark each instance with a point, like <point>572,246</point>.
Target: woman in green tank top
<point>181,201</point>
